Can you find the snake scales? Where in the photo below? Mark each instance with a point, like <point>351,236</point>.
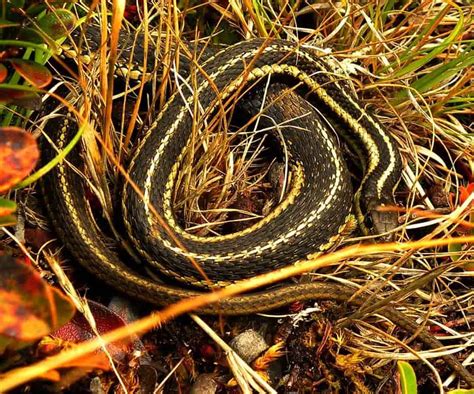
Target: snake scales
<point>307,221</point>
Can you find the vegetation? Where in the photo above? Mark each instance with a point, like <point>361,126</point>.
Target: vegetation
<point>410,62</point>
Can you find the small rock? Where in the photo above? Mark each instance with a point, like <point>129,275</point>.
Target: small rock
<point>249,345</point>
<point>204,384</point>
<point>439,197</point>
<point>95,386</point>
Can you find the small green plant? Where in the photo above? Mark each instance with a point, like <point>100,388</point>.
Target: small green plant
<point>28,34</point>
<point>407,378</point>
<point>409,384</point>
<point>29,31</point>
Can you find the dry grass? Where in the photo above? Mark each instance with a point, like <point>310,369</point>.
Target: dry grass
<point>410,65</point>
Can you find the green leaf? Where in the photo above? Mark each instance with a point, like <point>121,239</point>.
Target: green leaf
<point>388,8</point>
<point>29,34</point>
<point>461,391</point>
<point>438,75</point>
<point>454,250</point>
<point>17,3</point>
<point>415,65</point>
<point>58,24</point>
<point>7,23</point>
<point>37,8</point>
<point>407,378</point>
<point>6,207</point>
<point>443,72</point>
<point>25,44</point>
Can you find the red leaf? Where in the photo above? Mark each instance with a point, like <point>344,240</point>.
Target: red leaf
<point>465,192</point>
<point>23,98</point>
<point>36,74</point>
<point>30,308</point>
<point>18,156</point>
<point>79,330</point>
<point>3,73</point>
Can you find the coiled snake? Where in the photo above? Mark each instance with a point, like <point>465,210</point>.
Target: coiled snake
<point>307,221</point>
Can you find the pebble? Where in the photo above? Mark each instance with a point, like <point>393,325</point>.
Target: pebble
<point>249,345</point>
<point>204,384</point>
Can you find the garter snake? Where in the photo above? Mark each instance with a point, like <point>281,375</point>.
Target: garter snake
<point>308,221</point>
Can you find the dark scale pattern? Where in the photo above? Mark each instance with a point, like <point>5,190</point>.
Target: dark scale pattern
<point>131,51</point>
<point>315,190</point>
<point>307,147</point>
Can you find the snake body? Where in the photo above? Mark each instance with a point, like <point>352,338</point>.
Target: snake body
<point>314,210</point>
<point>307,221</point>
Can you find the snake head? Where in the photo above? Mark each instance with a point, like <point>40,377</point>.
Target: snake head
<point>380,221</point>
